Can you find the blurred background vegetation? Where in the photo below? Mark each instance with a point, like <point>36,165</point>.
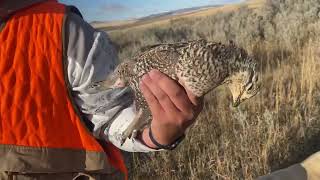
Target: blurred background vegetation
<point>275,129</point>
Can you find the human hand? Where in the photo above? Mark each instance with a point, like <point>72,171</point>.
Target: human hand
<point>173,108</point>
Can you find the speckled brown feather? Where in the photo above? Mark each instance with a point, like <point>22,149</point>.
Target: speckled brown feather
<point>201,65</point>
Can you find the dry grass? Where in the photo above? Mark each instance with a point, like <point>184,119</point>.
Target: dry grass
<point>271,131</point>
<point>278,127</point>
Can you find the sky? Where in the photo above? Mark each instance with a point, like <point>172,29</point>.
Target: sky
<point>110,10</point>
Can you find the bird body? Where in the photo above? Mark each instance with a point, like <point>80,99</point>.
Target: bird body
<point>200,65</point>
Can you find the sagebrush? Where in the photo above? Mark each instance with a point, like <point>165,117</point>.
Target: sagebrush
<point>275,129</point>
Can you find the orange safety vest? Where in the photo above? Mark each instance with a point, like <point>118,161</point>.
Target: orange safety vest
<point>41,129</point>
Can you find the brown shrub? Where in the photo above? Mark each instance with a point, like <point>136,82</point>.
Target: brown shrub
<point>278,127</point>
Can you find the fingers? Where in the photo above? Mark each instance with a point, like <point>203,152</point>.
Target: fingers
<point>160,95</point>
<point>152,101</point>
<point>174,91</point>
<point>170,105</point>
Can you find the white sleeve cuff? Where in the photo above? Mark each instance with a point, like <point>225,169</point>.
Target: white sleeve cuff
<point>120,123</point>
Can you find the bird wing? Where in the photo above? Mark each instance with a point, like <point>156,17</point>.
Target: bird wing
<point>162,45</point>
<point>148,48</point>
<point>161,57</point>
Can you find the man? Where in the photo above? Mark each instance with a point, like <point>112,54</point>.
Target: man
<point>51,114</point>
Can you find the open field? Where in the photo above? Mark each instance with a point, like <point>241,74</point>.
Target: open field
<point>164,20</point>
<point>273,130</point>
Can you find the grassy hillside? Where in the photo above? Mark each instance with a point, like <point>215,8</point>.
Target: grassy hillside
<point>278,127</point>
<point>164,20</point>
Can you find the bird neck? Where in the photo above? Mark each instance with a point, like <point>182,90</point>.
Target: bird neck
<point>238,62</point>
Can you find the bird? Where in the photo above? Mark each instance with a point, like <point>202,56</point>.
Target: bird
<point>200,64</point>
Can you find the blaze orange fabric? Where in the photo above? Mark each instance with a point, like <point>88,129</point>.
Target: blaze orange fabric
<point>35,108</point>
